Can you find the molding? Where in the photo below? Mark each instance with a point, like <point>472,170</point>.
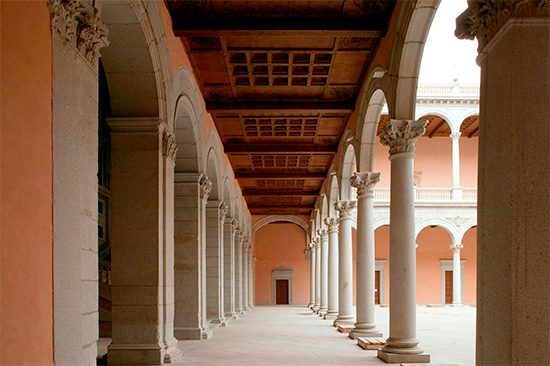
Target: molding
<point>134,124</point>
<point>277,218</point>
<point>79,25</point>
<point>401,135</point>
<point>281,273</point>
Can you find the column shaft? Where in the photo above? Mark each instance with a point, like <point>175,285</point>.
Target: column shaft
<point>457,189</point>
<point>238,271</point>
<point>324,273</point>
<point>365,325</point>
<point>345,275</point>
<point>317,275</point>
<point>312,281</point>
<point>332,311</point>
<point>214,262</point>
<point>457,277</point>
<point>229,268</point>
<point>245,277</point>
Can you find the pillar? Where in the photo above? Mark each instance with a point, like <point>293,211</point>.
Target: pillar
<point>317,305</point>
<point>323,307</point>
<point>402,346</point>
<point>457,277</point>
<point>457,189</point>
<point>246,250</point>
<point>214,262</point>
<point>250,278</point>
<point>312,281</point>
<point>513,291</point>
<point>238,270</point>
<point>191,193</point>
<point>345,276</point>
<point>332,307</point>
<point>365,325</point>
<point>143,155</point>
<point>230,225</point>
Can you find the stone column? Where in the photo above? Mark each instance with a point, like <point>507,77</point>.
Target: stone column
<point>312,281</point>
<point>238,271</point>
<point>332,311</point>
<point>402,346</point>
<point>323,307</point>
<point>345,276</point>
<point>214,262</point>
<point>457,277</point>
<point>143,154</point>
<point>317,305</point>
<point>191,191</point>
<point>250,278</point>
<point>513,291</point>
<point>230,225</point>
<point>246,250</point>
<point>457,189</point>
<point>365,325</point>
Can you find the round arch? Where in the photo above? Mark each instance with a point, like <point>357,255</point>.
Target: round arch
<point>278,218</point>
<point>442,223</point>
<point>348,165</point>
<point>368,129</point>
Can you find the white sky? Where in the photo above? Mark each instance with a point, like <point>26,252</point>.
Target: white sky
<point>445,56</point>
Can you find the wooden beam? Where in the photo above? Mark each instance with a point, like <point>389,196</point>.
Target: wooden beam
<point>473,132</point>
<point>278,106</point>
<point>437,128</point>
<point>280,148</point>
<point>285,175</point>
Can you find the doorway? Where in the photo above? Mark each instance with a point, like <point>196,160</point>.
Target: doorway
<point>448,287</point>
<point>281,292</point>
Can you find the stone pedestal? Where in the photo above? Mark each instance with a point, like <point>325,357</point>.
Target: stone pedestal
<point>402,345</point>
<point>332,311</point>
<point>323,306</point>
<point>345,276</point>
<point>190,311</point>
<point>143,155</point>
<point>513,292</point>
<point>365,325</point>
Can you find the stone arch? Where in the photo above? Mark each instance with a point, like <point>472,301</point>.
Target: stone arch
<point>213,172</point>
<point>368,130</point>
<point>333,195</point>
<point>438,113</point>
<point>444,224</point>
<point>412,30</point>
<point>348,165</point>
<point>324,209</point>
<point>381,221</point>
<point>278,218</point>
<point>464,228</point>
<point>187,123</point>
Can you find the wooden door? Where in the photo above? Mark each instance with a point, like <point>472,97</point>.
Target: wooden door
<point>281,291</point>
<point>377,287</point>
<point>448,287</point>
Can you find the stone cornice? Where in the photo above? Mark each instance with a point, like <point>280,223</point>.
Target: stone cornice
<point>401,135</point>
<point>484,18</point>
<point>365,182</point>
<point>79,24</point>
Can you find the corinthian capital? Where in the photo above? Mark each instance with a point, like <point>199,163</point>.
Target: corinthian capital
<point>364,182</point>
<point>78,23</point>
<point>401,135</point>
<point>169,147</point>
<point>483,18</point>
<point>322,233</point>
<point>205,187</point>
<point>345,208</point>
<point>332,224</point>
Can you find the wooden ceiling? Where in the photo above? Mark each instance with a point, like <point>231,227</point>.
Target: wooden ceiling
<point>280,79</point>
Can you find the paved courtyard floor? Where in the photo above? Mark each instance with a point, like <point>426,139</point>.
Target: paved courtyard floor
<point>293,335</point>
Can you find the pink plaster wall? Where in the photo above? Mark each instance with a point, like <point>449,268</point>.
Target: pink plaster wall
<point>281,245</point>
<point>433,157</point>
<point>469,253</point>
<point>382,252</point>
<point>26,320</point>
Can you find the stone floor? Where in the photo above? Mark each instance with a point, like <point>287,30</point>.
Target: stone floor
<point>293,335</point>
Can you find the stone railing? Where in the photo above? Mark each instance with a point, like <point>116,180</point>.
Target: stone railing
<point>431,194</point>
<point>447,90</point>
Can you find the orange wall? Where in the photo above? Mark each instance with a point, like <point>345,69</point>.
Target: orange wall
<point>26,185</point>
<point>281,245</point>
<point>469,254</point>
<point>433,158</point>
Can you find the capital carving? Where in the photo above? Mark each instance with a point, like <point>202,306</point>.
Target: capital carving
<point>484,18</point>
<point>169,147</point>
<point>322,233</point>
<point>365,182</point>
<point>332,224</point>
<point>79,24</point>
<point>456,247</point>
<point>401,135</point>
<point>455,135</point>
<point>345,208</point>
<point>205,187</point>
<point>223,210</point>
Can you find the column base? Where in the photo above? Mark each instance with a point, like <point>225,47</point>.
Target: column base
<point>192,333</point>
<point>246,308</point>
<point>172,353</point>
<point>343,321</point>
<point>330,316</point>
<point>403,358</point>
<point>135,354</point>
<point>310,305</point>
<point>219,322</point>
<point>322,312</point>
<point>365,333</point>
<point>231,316</point>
